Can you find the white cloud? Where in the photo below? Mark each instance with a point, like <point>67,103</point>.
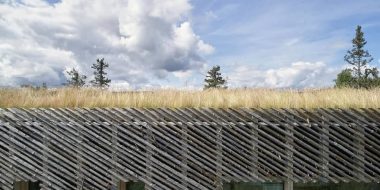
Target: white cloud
<point>120,86</point>
<point>182,74</point>
<point>298,74</point>
<point>143,40</point>
<point>185,39</point>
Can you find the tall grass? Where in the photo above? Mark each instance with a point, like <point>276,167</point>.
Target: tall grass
<point>253,98</point>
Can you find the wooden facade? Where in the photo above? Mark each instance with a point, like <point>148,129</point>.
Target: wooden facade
<point>187,148</point>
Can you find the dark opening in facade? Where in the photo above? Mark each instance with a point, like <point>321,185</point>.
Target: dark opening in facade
<point>131,185</point>
<point>252,186</point>
<point>26,185</point>
<point>337,186</point>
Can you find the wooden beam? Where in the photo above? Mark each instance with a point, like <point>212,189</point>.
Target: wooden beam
<point>149,156</point>
<point>219,158</point>
<point>288,185</point>
<point>184,153</point>
<point>46,143</point>
<point>78,155</point>
<point>122,185</point>
<point>359,143</point>
<point>254,151</point>
<point>114,154</point>
<point>289,138</point>
<point>324,137</point>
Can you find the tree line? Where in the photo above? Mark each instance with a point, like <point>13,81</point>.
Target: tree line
<point>100,80</point>
<point>213,79</point>
<point>358,75</point>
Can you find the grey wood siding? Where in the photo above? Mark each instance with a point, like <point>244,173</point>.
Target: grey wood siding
<point>187,148</point>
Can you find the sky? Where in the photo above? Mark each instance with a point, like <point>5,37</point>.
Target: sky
<point>172,43</point>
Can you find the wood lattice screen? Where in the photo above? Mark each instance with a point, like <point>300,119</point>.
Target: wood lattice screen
<point>187,148</point>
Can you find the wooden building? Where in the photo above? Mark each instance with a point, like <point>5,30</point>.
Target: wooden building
<point>187,148</point>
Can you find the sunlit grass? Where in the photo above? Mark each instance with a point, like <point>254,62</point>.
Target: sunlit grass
<point>233,98</point>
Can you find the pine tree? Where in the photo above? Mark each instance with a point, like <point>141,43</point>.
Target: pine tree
<point>101,79</point>
<point>76,80</point>
<point>44,86</point>
<point>214,79</point>
<point>358,57</point>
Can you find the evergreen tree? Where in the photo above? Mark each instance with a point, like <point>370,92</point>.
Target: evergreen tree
<point>358,58</point>
<point>76,80</point>
<point>44,86</point>
<point>214,79</point>
<point>101,79</point>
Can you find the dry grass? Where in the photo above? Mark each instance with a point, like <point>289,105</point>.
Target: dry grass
<point>262,98</point>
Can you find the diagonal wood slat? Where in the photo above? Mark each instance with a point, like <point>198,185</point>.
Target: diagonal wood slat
<point>187,148</point>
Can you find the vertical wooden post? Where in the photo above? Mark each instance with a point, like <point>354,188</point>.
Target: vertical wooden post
<point>324,152</point>
<point>114,155</point>
<point>11,157</point>
<point>359,151</point>
<point>8,177</point>
<point>122,185</point>
<point>255,156</point>
<point>148,156</point>
<point>219,157</point>
<point>45,184</point>
<point>2,183</point>
<point>288,184</point>
<point>79,174</point>
<point>184,153</point>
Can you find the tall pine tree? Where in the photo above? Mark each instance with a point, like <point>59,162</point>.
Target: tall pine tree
<point>76,80</point>
<point>214,79</point>
<point>101,79</point>
<point>359,58</point>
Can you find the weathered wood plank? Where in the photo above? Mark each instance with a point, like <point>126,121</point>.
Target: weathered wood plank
<point>187,148</point>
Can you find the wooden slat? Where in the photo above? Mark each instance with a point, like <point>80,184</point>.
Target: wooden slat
<point>187,148</point>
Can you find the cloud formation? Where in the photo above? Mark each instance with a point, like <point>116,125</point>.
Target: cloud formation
<point>143,40</point>
<point>298,75</point>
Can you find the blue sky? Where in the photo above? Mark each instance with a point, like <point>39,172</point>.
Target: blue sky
<point>171,44</point>
<point>273,34</point>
